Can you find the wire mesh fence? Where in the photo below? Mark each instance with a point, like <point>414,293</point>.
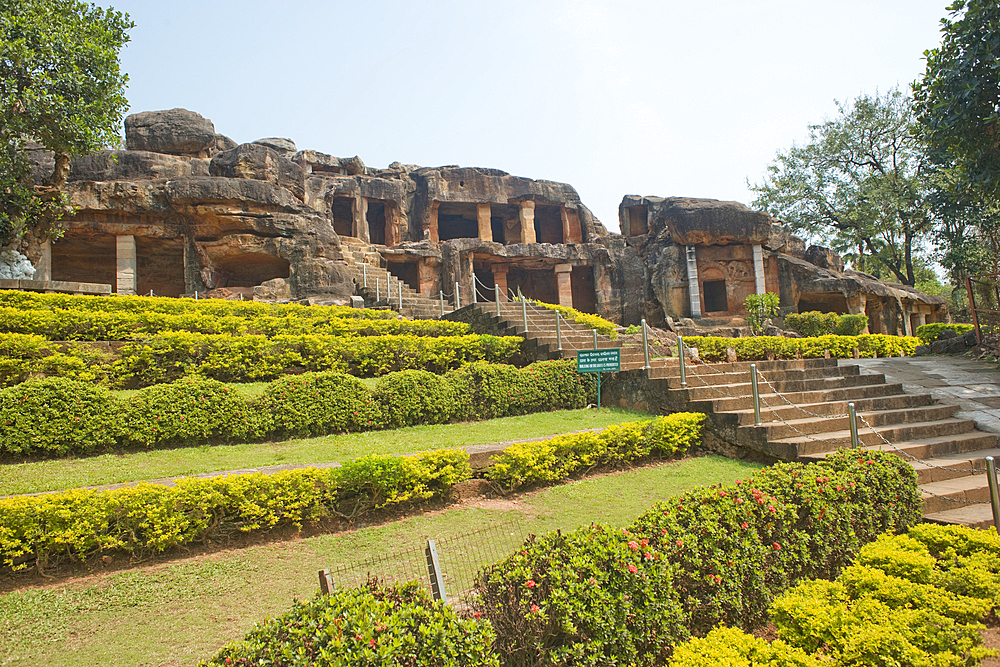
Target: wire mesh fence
<point>447,568</point>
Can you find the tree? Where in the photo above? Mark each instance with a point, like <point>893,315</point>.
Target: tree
<point>60,86</point>
<point>958,100</point>
<point>859,182</point>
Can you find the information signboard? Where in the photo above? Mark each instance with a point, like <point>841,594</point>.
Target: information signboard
<point>599,361</point>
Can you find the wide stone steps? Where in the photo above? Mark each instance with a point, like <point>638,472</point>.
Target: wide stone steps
<point>379,287</point>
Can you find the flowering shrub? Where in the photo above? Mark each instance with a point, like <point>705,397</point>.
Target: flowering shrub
<point>368,625</point>
<point>713,348</point>
<point>727,551</point>
<point>559,457</point>
<point>141,520</point>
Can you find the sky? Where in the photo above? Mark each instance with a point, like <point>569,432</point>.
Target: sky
<point>687,99</point>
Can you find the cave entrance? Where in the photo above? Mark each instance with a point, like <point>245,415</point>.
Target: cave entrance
<point>505,223</point>
<point>250,269</point>
<point>485,282</point>
<point>715,296</point>
<point>638,220</point>
<point>584,292</point>
<point>159,266</point>
<point>873,310</point>
<point>407,272</point>
<point>342,211</point>
<point>89,258</point>
<point>824,302</point>
<point>376,219</point>
<point>457,221</point>
<point>539,284</point>
<point>548,224</point>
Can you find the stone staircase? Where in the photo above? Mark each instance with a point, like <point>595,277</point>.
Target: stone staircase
<point>379,287</point>
<point>804,417</point>
<point>803,405</point>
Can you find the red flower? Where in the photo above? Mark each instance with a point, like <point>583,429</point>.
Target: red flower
<point>744,525</point>
<point>645,542</point>
<point>777,547</point>
<point>633,545</point>
<point>477,615</point>
<point>530,583</point>
<point>679,543</point>
<point>649,556</point>
<point>534,608</point>
<point>632,568</point>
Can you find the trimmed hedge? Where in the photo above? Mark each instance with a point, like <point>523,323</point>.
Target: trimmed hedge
<point>714,555</point>
<point>57,416</point>
<point>369,625</point>
<point>732,647</point>
<point>928,333</point>
<point>170,306</point>
<point>603,326</point>
<point>95,325</point>
<point>559,457</point>
<point>713,348</point>
<point>45,529</point>
<point>814,323</point>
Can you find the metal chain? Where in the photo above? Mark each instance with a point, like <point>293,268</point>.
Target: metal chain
<point>912,457</point>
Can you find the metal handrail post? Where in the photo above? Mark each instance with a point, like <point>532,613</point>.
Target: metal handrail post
<point>595,339</point>
<point>559,330</point>
<point>458,298</point>
<point>680,358</point>
<point>756,394</point>
<point>991,472</point>
<point>524,313</point>
<point>475,296</point>
<point>378,291</point>
<point>645,345</point>
<point>364,274</point>
<point>441,293</point>
<point>853,416</point>
<point>496,290</point>
<point>399,292</point>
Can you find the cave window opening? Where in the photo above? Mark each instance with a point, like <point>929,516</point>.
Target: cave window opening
<point>343,216</point>
<point>715,296</point>
<point>251,269</point>
<point>637,220</point>
<point>458,221</point>
<point>376,221</point>
<point>548,224</point>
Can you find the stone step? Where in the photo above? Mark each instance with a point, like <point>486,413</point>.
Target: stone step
<point>779,409</point>
<point>954,493</point>
<point>763,366</point>
<point>706,391</point>
<point>957,447</point>
<point>895,433</point>
<point>844,395</point>
<point>950,466</point>
<point>821,425</point>
<point>974,516</point>
<point>701,377</point>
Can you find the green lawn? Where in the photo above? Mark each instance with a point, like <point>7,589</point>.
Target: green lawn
<point>114,468</point>
<point>178,613</point>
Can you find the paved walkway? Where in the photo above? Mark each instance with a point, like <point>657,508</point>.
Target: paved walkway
<point>972,385</point>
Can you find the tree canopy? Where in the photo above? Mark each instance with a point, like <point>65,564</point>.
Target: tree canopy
<point>958,99</point>
<point>859,182</point>
<point>60,86</point>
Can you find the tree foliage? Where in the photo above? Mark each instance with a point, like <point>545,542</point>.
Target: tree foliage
<point>60,86</point>
<point>958,99</point>
<point>859,182</point>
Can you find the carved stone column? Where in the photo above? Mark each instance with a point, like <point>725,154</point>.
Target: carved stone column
<point>126,278</point>
<point>432,225</point>
<point>500,278</point>
<point>485,225</point>
<point>527,216</point>
<point>564,282</point>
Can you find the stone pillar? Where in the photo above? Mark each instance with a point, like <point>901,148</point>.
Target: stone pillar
<point>694,294</point>
<point>905,315</point>
<point>43,267</point>
<point>564,282</point>
<point>126,278</point>
<point>427,276</point>
<point>527,216</point>
<point>432,225</point>
<point>485,222</point>
<point>500,278</point>
<point>360,224</point>
<point>758,269</point>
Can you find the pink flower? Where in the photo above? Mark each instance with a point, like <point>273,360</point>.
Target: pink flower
<point>680,543</point>
<point>744,525</point>
<point>649,556</point>
<point>633,545</point>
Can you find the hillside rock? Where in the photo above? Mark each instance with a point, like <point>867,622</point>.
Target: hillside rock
<point>175,132</point>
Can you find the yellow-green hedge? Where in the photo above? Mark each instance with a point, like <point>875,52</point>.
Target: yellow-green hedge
<point>713,348</point>
<point>603,326</point>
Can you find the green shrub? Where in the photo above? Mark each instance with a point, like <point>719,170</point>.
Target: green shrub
<point>149,518</point>
<point>928,333</point>
<point>851,325</point>
<point>730,647</point>
<point>369,625</point>
<point>713,348</point>
<point>760,308</point>
<point>730,550</point>
<point>56,416</point>
<point>812,323</point>
<point>191,411</point>
<point>416,397</point>
<point>318,404</point>
<point>559,457</point>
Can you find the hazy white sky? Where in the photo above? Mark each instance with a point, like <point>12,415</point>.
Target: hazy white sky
<point>656,98</point>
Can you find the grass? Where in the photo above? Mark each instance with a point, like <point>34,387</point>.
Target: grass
<point>178,613</point>
<point>51,475</point>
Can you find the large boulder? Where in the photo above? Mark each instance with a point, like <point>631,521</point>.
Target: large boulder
<point>713,222</point>
<point>824,258</point>
<point>281,144</point>
<point>175,132</point>
<point>115,165</point>
<point>261,163</point>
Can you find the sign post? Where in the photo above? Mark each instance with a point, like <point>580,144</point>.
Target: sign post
<point>599,361</point>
